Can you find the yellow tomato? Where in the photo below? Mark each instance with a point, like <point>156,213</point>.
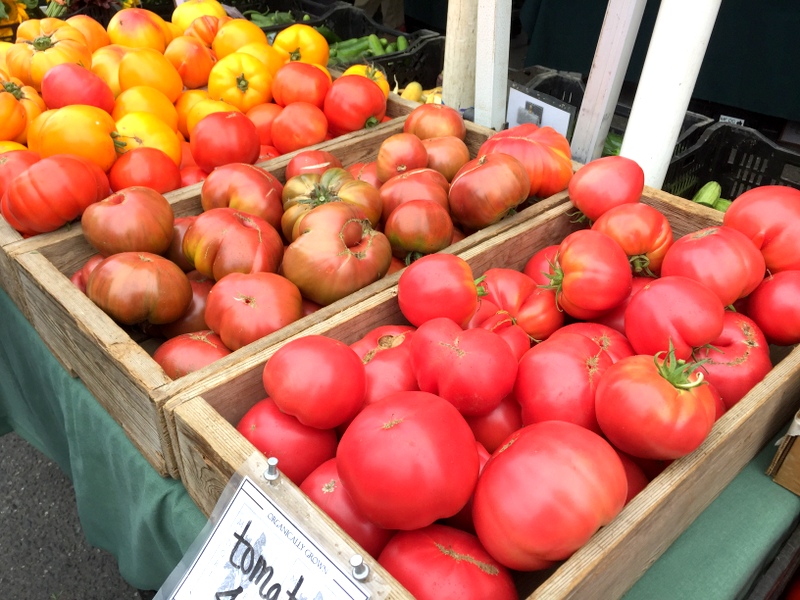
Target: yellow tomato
<point>234,34</point>
<point>143,98</point>
<point>138,129</point>
<point>4,46</point>
<point>145,66</point>
<point>370,72</point>
<point>303,43</point>
<point>9,146</point>
<point>192,59</point>
<point>203,108</point>
<point>95,34</point>
<point>136,28</point>
<point>76,129</point>
<point>184,104</point>
<point>240,80</point>
<point>188,11</point>
<point>105,64</point>
<point>271,56</point>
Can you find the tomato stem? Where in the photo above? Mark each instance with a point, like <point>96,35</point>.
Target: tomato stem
<point>677,371</point>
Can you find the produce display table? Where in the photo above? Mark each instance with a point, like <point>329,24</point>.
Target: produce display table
<point>149,522</point>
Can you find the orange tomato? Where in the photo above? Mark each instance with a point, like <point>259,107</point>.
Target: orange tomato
<point>95,34</point>
<point>31,102</point>
<point>192,59</point>
<point>136,28</point>
<point>203,108</point>
<point>138,129</point>
<point>184,104</point>
<point>234,34</point>
<point>145,66</point>
<point>12,116</point>
<point>143,98</point>
<point>240,80</point>
<point>188,11</point>
<point>44,43</point>
<point>273,57</point>
<point>105,64</point>
<point>370,72</point>
<point>205,28</point>
<point>167,28</point>
<point>75,129</point>
<point>303,43</point>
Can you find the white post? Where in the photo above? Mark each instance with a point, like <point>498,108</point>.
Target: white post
<point>458,73</point>
<point>679,42</point>
<point>611,58</point>
<point>491,62</point>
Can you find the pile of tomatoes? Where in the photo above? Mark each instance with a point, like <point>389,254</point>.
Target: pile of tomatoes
<point>512,415</point>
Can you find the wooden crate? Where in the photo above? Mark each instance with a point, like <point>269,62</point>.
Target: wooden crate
<point>210,449</point>
<point>115,363</point>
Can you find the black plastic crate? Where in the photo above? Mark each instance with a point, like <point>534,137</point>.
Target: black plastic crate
<point>739,158</point>
<point>693,126</point>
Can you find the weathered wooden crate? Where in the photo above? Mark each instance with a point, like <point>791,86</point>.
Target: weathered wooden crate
<point>211,450</point>
<point>115,363</point>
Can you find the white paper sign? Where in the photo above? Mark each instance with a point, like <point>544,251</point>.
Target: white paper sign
<point>539,109</point>
<point>255,551</point>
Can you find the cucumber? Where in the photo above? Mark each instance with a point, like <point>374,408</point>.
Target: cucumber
<point>722,204</point>
<point>708,194</point>
<point>375,46</point>
<point>402,43</point>
<point>392,47</point>
<point>353,51</point>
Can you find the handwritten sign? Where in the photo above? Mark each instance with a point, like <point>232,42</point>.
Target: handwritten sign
<point>256,551</point>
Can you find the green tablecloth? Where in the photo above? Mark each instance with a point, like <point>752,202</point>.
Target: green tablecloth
<point>148,522</point>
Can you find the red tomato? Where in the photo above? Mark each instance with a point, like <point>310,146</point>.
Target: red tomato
<point>354,103</point>
<point>591,274</point>
<point>137,218</point>
<point>300,124</point>
<point>194,319</point>
<point>418,227</point>
<point>297,81</point>
<point>192,174</point>
<point>399,153</point>
<point>311,161</point>
<point>770,216</point>
<point>324,487</point>
<point>13,163</point>
<point>773,305</point>
<point>138,287</point>
<point>655,407</point>
<point>81,276</point>
<point>446,154</point>
<point>463,519</point>
<point>408,460</point>
<point>615,318</point>
<point>242,308</point>
<point>262,116</point>
<point>545,493</point>
<point>558,379</point>
<point>435,120</point>
<point>189,352</point>
<point>721,258</point>
<point>608,340</point>
<point>473,369</point>
<point>317,379</point>
<point>486,189</point>
<point>70,83</point>
<point>504,325</point>
<point>175,250</point>
<point>605,183</point>
<point>437,285</point>
<point>416,184</point>
<point>540,265</point>
<point>492,429</point>
<point>267,153</point>
<point>438,562</point>
<point>246,188</point>
<point>637,478</point>
<point>145,166</point>
<point>299,448</point>
<point>225,240</point>
<point>366,172</point>
<point>221,138</point>
<point>673,311</point>
<point>737,360</point>
<point>643,232</point>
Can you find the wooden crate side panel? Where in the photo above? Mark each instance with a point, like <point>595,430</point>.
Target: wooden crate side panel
<point>617,556</point>
<point>9,280</point>
<point>203,433</point>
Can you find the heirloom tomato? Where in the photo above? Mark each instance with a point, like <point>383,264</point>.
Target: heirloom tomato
<point>353,103</point>
<point>615,318</point>
<point>147,66</point>
<point>186,12</point>
<point>31,102</point>
<point>416,184</point>
<point>492,429</point>
<point>262,116</point>
<point>192,60</point>
<point>311,161</point>
<point>80,277</point>
<point>143,98</point>
<point>545,492</point>
<point>300,82</point>
<point>303,43</point>
<point>721,258</point>
<point>146,130</point>
<point>773,305</point>
<point>408,460</point>
<point>770,216</point>
<point>643,232</point>
<point>189,352</point>
<point>221,138</point>
<point>372,73</point>
<point>366,172</point>
<point>13,163</point>
<point>299,448</point>
<point>317,379</point>
<point>241,80</point>
<point>144,166</point>
<point>13,118</point>
<point>244,307</point>
<point>324,487</point>
<point>656,407</point>
<point>205,27</point>
<point>138,287</point>
<point>202,107</point>
<point>194,318</point>
<point>134,219</point>
<point>246,188</point>
<point>439,561</point>
<point>94,32</point>
<point>604,183</point>
<point>271,56</point>
<point>609,340</point>
<point>136,28</point>
<point>504,325</point>
<point>70,83</point>
<point>435,120</point>
<point>446,154</point>
<point>539,266</point>
<point>232,35</point>
<point>299,124</point>
<point>673,311</point>
<point>399,153</point>
<point>418,227</point>
<point>543,151</point>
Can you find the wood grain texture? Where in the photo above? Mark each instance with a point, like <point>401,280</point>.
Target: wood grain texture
<point>9,280</point>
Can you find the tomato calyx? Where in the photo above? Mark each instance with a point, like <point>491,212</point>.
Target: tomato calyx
<point>577,216</point>
<point>482,291</point>
<point>12,88</point>
<point>676,371</point>
<point>295,54</point>
<point>641,265</point>
<point>42,43</point>
<point>371,122</point>
<point>241,83</point>
<point>120,144</point>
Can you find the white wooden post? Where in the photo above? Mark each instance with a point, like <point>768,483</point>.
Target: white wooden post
<point>680,38</point>
<point>491,62</point>
<point>458,73</point>
<point>611,58</point>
